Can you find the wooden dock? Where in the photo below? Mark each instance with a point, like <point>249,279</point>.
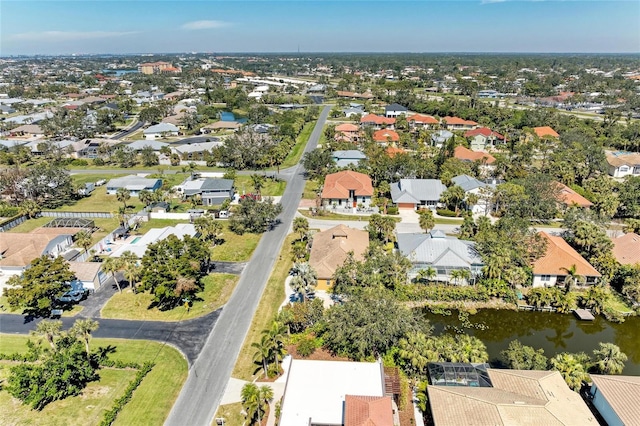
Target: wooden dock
<point>584,314</point>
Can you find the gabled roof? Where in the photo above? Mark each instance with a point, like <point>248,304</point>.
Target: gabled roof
<point>368,411</point>
<point>518,397</point>
<point>467,183</point>
<point>161,128</point>
<point>133,182</point>
<point>622,158</point>
<point>458,121</point>
<point>570,197</point>
<point>141,144</point>
<point>626,249</point>
<point>416,190</point>
<point>197,147</point>
<point>395,107</point>
<point>559,255</point>
<point>198,186</point>
<point>351,154</point>
<point>20,249</point>
<point>437,249</point>
<point>484,131</point>
<point>347,127</point>
<point>85,271</point>
<point>331,247</point>
<point>623,395</point>
<point>338,185</point>
<point>376,119</point>
<point>385,135</point>
<point>425,119</point>
<point>545,131</point>
<point>465,154</point>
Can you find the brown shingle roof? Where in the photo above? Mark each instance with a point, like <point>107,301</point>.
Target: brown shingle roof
<point>85,271</point>
<point>626,249</point>
<point>561,255</point>
<point>617,159</point>
<point>623,395</point>
<point>331,247</point>
<point>338,185</point>
<point>19,250</point>
<point>368,411</point>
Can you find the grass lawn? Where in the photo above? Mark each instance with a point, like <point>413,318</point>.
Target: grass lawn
<point>144,227</point>
<point>236,248</point>
<point>105,226</point>
<point>617,302</point>
<point>271,188</point>
<point>347,217</point>
<point>270,302</point>
<point>126,305</point>
<point>100,201</point>
<point>448,221</point>
<point>311,189</point>
<point>231,413</point>
<point>150,403</point>
<point>301,142</point>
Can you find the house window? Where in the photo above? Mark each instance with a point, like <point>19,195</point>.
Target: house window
<point>636,170</point>
<point>441,271</point>
<point>624,168</point>
<point>545,278</point>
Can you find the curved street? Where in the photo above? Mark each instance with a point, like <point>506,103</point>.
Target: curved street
<point>208,377</point>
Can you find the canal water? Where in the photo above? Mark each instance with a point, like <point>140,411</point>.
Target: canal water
<point>552,332</point>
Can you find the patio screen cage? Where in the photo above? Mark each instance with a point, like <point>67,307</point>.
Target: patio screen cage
<point>459,374</point>
<point>71,222</point>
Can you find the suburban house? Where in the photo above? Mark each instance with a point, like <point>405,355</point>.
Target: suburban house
<point>465,154</point>
<point>567,197</point>
<point>331,248</point>
<point>353,109</point>
<point>456,123</point>
<point>347,188</point>
<point>90,148</point>
<point>395,110</point>
<point>545,131</point>
<point>417,193</point>
<point>626,249</point>
<point>212,191</point>
<point>139,245</point>
<point>384,136</point>
<point>392,151</point>
<point>27,131</point>
<point>483,138</point>
<point>18,250</point>
<point>377,122</point>
<point>506,397</point>
<point>337,393</point>
<point>440,137</point>
<point>89,274</point>
<point>134,184</point>
<point>482,190</point>
<point>354,95</point>
<point>348,158</point>
<point>552,268</point>
<point>347,132</point>
<point>441,253</point>
<point>616,398</point>
<point>138,146</point>
<point>162,130</point>
<point>623,163</point>
<point>419,121</point>
<point>220,125</point>
<point>195,151</point>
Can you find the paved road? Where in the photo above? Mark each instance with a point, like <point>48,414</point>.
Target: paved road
<point>187,336</point>
<point>209,375</point>
<point>124,133</point>
<point>234,268</point>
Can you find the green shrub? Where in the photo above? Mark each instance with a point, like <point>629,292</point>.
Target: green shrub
<point>393,210</point>
<point>442,293</point>
<point>8,211</point>
<point>80,163</point>
<point>306,347</point>
<point>446,213</point>
<point>110,416</point>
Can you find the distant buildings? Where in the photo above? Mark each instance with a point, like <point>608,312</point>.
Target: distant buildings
<point>157,68</point>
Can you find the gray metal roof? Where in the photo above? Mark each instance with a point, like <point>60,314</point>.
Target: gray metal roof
<point>352,154</point>
<point>395,107</point>
<point>132,182</point>
<point>161,128</point>
<point>155,145</point>
<point>416,190</point>
<point>438,250</point>
<point>441,136</point>
<point>467,183</point>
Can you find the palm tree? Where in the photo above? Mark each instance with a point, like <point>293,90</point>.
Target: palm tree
<point>29,208</point>
<point>276,336</point>
<point>571,367</point>
<point>595,298</point>
<point>265,398</point>
<point>412,350</point>
<point>131,269</point>
<point>455,276</point>
<point>573,278</point>
<point>263,353</point>
<point>83,329</point>
<point>208,228</point>
<point>83,239</point>
<point>251,402</point>
<point>304,278</point>
<point>609,358</point>
<point>426,220</point>
<point>427,274</point>
<point>113,265</point>
<point>49,330</point>
<point>422,396</point>
<point>123,195</point>
<point>257,181</point>
<point>470,349</point>
<point>146,197</point>
<point>121,215</point>
<point>301,226</point>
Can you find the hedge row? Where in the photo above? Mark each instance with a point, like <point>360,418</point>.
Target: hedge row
<point>110,416</point>
<point>443,293</point>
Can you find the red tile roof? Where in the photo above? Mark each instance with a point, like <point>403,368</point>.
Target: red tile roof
<point>425,119</point>
<point>386,135</point>
<point>392,151</point>
<point>570,197</point>
<point>626,249</point>
<point>372,118</point>
<point>561,255</point>
<point>545,131</point>
<point>347,127</point>
<point>368,411</point>
<point>465,154</point>
<point>484,131</point>
<point>338,185</point>
<point>458,120</point>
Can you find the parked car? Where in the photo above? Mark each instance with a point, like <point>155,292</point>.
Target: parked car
<point>76,294</point>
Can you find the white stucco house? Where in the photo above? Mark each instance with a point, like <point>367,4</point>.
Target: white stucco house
<point>161,130</point>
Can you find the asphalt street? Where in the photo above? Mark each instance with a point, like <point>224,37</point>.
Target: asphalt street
<point>124,133</point>
<point>209,375</point>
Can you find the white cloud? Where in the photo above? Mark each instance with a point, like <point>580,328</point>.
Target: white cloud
<point>204,25</point>
<point>60,36</point>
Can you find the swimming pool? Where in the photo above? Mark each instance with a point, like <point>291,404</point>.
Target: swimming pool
<point>135,240</point>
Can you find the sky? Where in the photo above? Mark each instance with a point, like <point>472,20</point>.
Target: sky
<point>146,26</point>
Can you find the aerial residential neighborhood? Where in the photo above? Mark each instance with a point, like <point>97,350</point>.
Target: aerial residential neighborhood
<point>390,239</point>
